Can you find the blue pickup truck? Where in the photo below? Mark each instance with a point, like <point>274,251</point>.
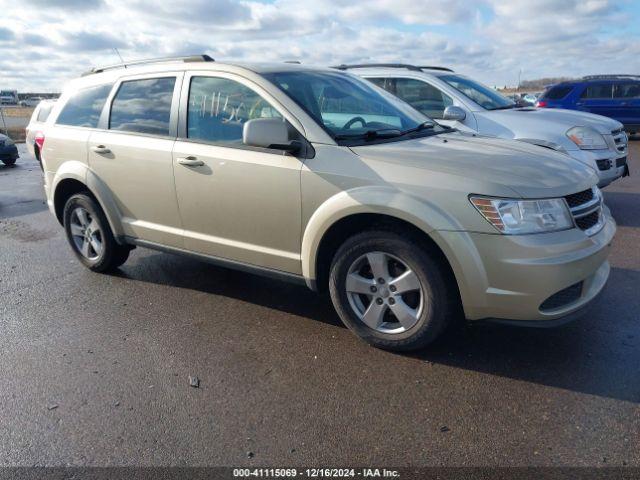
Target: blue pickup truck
<point>614,96</point>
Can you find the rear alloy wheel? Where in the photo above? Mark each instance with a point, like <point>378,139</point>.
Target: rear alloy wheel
<point>390,291</point>
<point>90,236</point>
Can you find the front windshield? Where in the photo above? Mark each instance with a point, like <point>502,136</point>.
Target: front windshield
<point>350,109</point>
<point>484,96</point>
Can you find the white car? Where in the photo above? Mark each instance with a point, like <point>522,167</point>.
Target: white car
<point>30,102</point>
<point>460,102</point>
<point>34,131</point>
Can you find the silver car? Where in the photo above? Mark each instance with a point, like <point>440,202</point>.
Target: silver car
<point>461,102</point>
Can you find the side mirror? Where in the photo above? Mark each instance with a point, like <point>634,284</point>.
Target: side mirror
<point>268,133</point>
<point>454,113</point>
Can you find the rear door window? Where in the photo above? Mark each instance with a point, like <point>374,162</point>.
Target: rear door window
<point>83,109</point>
<point>143,106</point>
<point>598,90</point>
<point>422,96</point>
<point>626,90</point>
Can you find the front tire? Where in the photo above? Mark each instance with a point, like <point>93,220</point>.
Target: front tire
<point>390,291</point>
<point>90,236</point>
<point>9,161</point>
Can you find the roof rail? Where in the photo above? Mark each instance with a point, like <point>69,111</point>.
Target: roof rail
<point>615,75</point>
<point>295,62</point>
<point>431,67</point>
<point>391,65</point>
<point>189,58</point>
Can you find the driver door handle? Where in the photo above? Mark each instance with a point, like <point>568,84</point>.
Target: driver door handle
<point>100,149</point>
<point>190,161</point>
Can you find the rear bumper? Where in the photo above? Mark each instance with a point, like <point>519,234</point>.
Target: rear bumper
<point>508,277</point>
<point>9,152</point>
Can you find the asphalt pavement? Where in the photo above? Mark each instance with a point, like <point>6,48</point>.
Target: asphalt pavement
<point>94,369</point>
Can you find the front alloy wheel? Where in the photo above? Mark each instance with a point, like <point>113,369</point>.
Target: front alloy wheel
<point>384,292</point>
<point>392,290</point>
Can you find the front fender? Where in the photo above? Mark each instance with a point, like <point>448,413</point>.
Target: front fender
<point>374,200</point>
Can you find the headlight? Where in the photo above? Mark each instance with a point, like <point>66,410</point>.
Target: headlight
<point>586,138</point>
<point>524,216</point>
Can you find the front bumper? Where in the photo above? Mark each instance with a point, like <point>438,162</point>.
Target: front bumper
<point>610,158</point>
<point>509,277</point>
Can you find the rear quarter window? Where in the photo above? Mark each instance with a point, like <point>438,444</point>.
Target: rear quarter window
<point>44,112</point>
<point>558,93</point>
<point>84,107</point>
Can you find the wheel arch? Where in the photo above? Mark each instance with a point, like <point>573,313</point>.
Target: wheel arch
<point>329,227</point>
<point>78,178</point>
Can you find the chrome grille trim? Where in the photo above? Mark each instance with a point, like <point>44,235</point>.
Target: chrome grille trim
<point>588,208</point>
<point>620,140</point>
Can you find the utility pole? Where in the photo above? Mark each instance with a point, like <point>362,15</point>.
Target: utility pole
<point>519,75</point>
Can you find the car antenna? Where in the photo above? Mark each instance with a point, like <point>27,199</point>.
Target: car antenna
<point>119,56</point>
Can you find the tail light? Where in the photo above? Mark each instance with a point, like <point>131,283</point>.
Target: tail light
<point>40,140</point>
<point>541,103</point>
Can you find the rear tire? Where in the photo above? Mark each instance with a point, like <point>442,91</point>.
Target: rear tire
<point>390,291</point>
<point>10,161</point>
<point>90,235</point>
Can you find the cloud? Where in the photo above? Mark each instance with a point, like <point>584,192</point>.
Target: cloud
<point>90,41</point>
<point>488,39</point>
<point>67,4</point>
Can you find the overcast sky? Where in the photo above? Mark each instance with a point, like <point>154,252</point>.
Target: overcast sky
<point>43,43</point>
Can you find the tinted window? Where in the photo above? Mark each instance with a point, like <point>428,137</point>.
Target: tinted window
<point>380,82</point>
<point>219,107</point>
<point>84,107</point>
<point>602,90</point>
<point>557,93</point>
<point>422,96</point>
<point>626,90</point>
<point>143,106</point>
<point>44,112</point>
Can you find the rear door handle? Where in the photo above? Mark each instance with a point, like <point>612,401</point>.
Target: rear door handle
<point>100,149</point>
<point>190,161</point>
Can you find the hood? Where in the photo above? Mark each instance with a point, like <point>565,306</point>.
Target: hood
<point>548,124</point>
<point>498,167</point>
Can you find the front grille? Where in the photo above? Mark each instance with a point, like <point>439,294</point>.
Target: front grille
<point>563,297</point>
<point>604,164</point>
<point>586,208</point>
<point>588,221</point>
<point>577,199</point>
<point>620,162</point>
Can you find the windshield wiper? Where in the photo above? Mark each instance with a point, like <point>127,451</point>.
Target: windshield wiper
<point>422,126</point>
<point>370,134</point>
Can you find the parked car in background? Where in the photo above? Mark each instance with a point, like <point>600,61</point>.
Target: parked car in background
<point>461,102</point>
<point>30,102</point>
<point>614,96</point>
<point>34,131</point>
<point>317,176</point>
<point>8,150</point>
<point>8,97</point>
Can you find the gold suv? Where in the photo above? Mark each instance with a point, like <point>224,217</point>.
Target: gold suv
<point>317,176</point>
